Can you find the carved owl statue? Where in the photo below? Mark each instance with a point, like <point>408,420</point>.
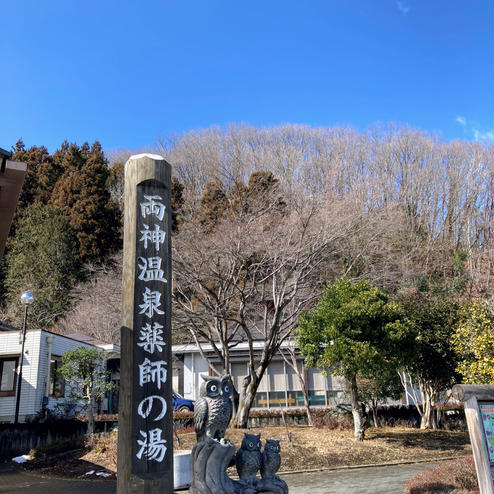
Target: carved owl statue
<point>248,458</point>
<point>213,410</point>
<point>271,459</point>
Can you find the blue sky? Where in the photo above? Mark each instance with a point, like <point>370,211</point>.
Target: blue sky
<point>125,71</point>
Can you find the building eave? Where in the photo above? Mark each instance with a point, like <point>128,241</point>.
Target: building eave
<point>208,348</point>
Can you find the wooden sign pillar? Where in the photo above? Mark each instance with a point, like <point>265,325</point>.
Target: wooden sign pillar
<point>479,412</point>
<point>145,422</point>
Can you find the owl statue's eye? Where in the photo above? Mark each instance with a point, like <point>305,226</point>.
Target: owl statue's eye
<point>227,388</point>
<point>251,445</point>
<point>259,444</point>
<point>214,388</point>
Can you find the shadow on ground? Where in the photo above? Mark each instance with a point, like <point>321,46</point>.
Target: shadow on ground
<point>429,440</point>
<point>66,465</point>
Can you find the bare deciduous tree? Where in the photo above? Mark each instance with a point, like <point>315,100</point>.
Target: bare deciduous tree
<point>249,279</point>
<point>289,354</point>
<point>97,304</point>
<point>444,191</point>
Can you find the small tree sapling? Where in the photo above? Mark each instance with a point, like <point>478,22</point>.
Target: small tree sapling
<point>84,369</point>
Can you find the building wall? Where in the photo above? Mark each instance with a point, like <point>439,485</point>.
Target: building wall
<point>9,345</point>
<point>279,387</point>
<point>59,347</point>
<point>35,371</point>
<point>194,365</point>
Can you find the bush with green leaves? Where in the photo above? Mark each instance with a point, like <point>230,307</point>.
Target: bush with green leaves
<point>430,368</point>
<point>354,331</point>
<point>474,342</point>
<point>84,370</point>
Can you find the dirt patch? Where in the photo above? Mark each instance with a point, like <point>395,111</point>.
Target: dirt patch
<point>92,458</point>
<point>306,448</point>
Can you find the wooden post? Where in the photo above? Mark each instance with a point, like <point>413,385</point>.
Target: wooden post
<point>145,425</point>
<point>476,398</point>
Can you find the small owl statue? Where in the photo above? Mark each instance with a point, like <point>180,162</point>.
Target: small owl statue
<point>248,459</point>
<point>213,410</point>
<point>271,459</point>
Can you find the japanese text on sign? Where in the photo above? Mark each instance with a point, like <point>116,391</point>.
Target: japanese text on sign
<point>150,367</point>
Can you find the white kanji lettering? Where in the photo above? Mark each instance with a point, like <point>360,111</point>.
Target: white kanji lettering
<point>151,269</point>
<point>151,338</point>
<point>152,372</point>
<point>155,236</point>
<point>151,303</point>
<point>146,405</point>
<point>152,446</point>
<point>152,206</point>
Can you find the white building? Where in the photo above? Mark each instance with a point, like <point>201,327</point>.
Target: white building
<point>41,386</point>
<point>280,386</point>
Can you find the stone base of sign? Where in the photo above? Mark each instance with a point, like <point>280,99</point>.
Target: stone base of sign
<point>209,462</point>
<point>181,468</point>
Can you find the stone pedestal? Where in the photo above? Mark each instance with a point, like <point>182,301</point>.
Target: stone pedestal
<point>181,468</point>
<point>209,462</point>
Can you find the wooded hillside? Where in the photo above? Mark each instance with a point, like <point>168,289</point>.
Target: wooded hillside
<point>394,206</point>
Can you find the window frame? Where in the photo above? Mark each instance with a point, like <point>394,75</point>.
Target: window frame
<point>56,376</point>
<point>4,358</point>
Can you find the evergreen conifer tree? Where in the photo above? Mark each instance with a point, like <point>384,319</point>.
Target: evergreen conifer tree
<point>213,204</point>
<point>41,177</point>
<point>82,192</point>
<point>44,259</point>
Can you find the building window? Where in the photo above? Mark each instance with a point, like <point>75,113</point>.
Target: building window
<point>317,397</point>
<point>57,382</point>
<point>261,400</point>
<point>335,397</point>
<point>8,375</point>
<point>277,399</point>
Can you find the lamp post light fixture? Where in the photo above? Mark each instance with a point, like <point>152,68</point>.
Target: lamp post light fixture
<point>27,298</point>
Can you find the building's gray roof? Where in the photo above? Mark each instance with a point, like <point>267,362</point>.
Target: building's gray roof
<point>90,340</point>
<point>6,327</point>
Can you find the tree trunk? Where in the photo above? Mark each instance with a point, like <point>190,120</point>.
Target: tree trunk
<point>427,418</point>
<point>302,379</point>
<point>307,406</point>
<point>235,400</point>
<point>90,415</point>
<point>248,392</point>
<point>248,395</point>
<point>358,419</point>
<point>375,417</point>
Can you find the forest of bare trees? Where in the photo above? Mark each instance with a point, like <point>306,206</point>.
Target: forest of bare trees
<point>394,206</point>
<point>264,217</point>
<point>416,210</point>
<point>433,199</point>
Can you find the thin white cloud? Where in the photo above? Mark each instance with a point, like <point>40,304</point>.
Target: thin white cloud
<point>403,7</point>
<point>461,120</point>
<point>479,135</point>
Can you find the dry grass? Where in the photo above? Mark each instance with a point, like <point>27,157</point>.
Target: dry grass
<point>102,451</point>
<point>324,448</point>
<point>310,448</point>
<point>452,477</point>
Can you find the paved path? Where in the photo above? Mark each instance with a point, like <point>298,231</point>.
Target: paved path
<point>18,482</point>
<point>374,480</point>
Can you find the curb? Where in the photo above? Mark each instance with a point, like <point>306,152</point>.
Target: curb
<point>291,472</point>
<point>372,465</point>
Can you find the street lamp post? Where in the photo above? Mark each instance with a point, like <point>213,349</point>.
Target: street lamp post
<point>27,298</point>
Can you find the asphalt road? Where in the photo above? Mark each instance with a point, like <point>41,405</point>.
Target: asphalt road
<point>373,480</point>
